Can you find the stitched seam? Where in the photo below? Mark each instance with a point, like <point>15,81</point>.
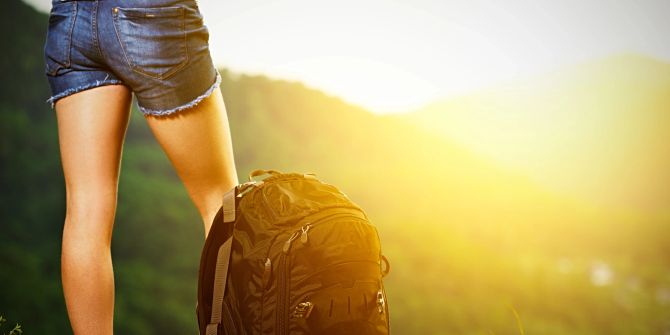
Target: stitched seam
<point>118,36</point>
<point>94,29</point>
<point>69,36</point>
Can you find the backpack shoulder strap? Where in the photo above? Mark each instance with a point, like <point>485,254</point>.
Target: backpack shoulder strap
<point>229,205</point>
<point>222,263</point>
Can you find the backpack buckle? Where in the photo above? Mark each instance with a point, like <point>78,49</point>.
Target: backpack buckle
<point>381,302</point>
<point>244,188</point>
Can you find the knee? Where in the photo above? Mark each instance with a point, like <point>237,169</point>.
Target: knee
<point>86,205</point>
<point>89,218</point>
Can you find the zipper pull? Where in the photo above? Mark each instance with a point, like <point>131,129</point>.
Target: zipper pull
<point>380,301</point>
<point>303,236</point>
<point>302,310</point>
<point>267,271</point>
<point>287,244</point>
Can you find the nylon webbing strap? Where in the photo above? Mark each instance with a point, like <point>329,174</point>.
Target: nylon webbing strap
<point>222,262</point>
<point>220,277</point>
<point>211,329</point>
<point>229,206</point>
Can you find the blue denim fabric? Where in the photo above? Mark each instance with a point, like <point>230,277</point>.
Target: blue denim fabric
<point>157,48</point>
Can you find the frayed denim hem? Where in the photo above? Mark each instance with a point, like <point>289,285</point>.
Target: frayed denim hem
<point>73,90</point>
<point>193,103</point>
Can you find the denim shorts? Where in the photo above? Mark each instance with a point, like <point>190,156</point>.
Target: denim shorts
<point>157,48</point>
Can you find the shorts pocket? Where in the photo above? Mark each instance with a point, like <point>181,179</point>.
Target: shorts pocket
<point>59,37</point>
<point>153,40</point>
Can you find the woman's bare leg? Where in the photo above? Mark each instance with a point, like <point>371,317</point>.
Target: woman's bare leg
<point>197,142</point>
<point>91,130</point>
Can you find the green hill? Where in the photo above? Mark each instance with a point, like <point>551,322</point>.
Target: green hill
<point>469,241</point>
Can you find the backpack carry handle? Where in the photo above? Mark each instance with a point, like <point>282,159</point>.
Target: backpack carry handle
<point>385,266</point>
<point>260,172</point>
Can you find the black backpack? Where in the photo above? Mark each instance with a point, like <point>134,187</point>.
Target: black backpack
<point>291,255</point>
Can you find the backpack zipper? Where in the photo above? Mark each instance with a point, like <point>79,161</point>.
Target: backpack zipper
<point>282,285</point>
<point>229,319</point>
<point>284,266</point>
<point>303,231</point>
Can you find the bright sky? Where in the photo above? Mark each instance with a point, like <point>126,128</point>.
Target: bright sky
<point>396,55</point>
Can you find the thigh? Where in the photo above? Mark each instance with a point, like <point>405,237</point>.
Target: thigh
<point>91,130</point>
<point>198,143</point>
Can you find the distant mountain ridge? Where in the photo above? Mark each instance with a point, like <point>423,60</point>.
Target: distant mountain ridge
<point>599,130</point>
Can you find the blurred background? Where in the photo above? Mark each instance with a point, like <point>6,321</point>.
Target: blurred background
<point>515,157</point>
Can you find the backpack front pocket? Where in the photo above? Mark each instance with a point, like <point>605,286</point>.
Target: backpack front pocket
<point>343,308</point>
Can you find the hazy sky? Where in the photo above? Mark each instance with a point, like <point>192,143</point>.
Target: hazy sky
<point>395,55</point>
